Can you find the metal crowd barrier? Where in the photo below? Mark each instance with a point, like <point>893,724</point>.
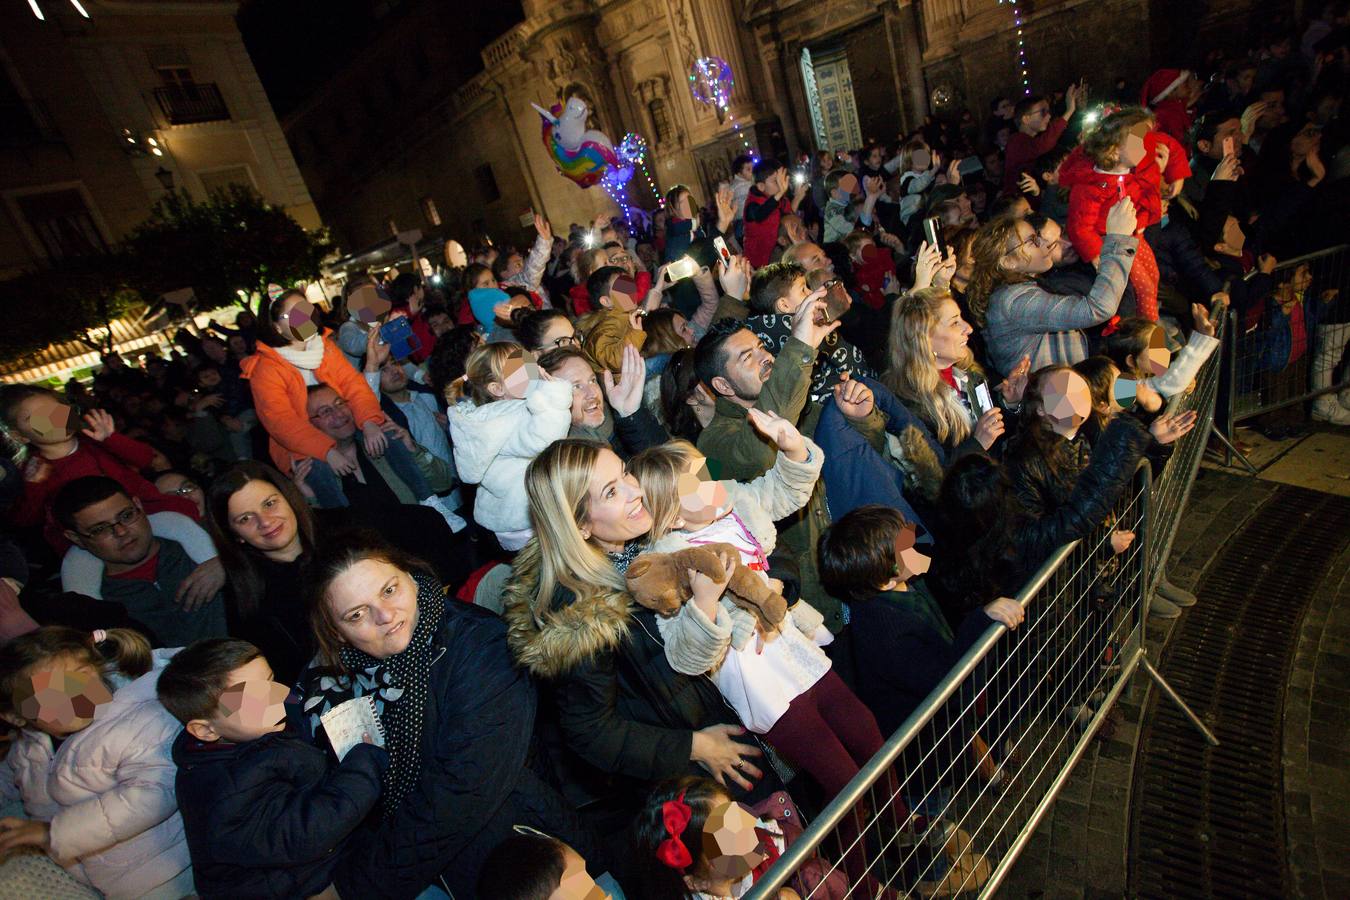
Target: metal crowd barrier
<point>952,798</point>
<point>1288,349</point>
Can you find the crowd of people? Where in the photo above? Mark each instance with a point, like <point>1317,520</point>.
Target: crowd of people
<point>582,569</point>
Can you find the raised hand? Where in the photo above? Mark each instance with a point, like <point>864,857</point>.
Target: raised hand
<point>1121,218</point>
<point>926,265</point>
<point>735,278</point>
<point>1166,429</point>
<point>783,433</point>
<point>625,396</point>
<point>853,398</point>
<point>1015,384</point>
<point>1029,185</point>
<point>542,228</point>
<point>100,425</point>
<point>809,323</point>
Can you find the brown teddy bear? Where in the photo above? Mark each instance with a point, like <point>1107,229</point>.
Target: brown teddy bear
<point>660,582</point>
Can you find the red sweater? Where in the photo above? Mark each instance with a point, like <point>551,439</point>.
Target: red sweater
<point>762,215</point>
<point>120,458</point>
<point>1023,150</point>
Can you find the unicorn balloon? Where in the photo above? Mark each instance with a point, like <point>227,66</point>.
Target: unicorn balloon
<point>585,156</point>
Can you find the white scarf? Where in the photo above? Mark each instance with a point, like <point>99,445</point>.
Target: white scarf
<point>307,357</point>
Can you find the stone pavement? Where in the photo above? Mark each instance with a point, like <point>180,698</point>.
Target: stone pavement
<point>1317,744</point>
<point>1081,848</point>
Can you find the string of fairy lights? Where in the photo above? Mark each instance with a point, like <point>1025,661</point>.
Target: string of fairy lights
<point>711,81</point>
<point>1022,66</point>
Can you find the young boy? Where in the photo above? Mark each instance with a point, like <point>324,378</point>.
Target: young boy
<point>765,205</point>
<point>902,644</point>
<point>842,213</point>
<point>265,812</point>
<point>534,866</point>
<point>776,291</point>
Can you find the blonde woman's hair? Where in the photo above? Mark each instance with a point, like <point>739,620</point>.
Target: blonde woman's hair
<point>913,375</point>
<point>992,242</point>
<point>484,366</point>
<point>1102,143</point>
<point>658,470</point>
<point>558,483</point>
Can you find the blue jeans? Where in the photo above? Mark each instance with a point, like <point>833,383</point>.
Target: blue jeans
<point>327,487</point>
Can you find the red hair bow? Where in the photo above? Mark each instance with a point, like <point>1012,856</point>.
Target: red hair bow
<point>675,814</point>
<point>1112,325</point>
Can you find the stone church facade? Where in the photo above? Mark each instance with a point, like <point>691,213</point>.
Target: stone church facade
<point>808,73</point>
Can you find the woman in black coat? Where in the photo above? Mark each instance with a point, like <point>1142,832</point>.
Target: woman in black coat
<point>623,712</point>
<point>265,532</point>
<point>457,717</point>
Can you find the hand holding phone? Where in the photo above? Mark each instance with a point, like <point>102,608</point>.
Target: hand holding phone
<point>1229,146</point>
<point>722,252</point>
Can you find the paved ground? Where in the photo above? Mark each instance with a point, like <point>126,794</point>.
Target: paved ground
<point>1081,849</point>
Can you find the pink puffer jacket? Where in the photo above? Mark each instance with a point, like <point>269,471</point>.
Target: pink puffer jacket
<point>109,794</point>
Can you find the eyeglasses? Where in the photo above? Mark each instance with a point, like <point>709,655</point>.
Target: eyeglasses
<point>569,340</point>
<point>184,489</point>
<point>829,285</point>
<point>121,520</point>
<point>326,412</point>
<point>1035,240</point>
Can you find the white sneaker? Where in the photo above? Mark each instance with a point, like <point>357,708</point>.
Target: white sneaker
<point>1329,408</point>
<point>456,523</point>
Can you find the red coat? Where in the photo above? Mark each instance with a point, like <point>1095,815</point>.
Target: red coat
<point>1093,193</point>
<point>762,215</point>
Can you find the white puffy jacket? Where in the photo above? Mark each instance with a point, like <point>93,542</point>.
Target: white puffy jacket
<point>108,793</point>
<point>494,444</point>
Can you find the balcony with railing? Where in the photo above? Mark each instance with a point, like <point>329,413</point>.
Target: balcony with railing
<point>190,103</point>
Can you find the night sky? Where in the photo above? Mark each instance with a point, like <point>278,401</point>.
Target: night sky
<point>297,45</point>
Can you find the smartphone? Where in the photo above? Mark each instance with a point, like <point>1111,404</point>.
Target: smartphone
<point>932,232</point>
<point>969,166</point>
<point>799,178</point>
<point>684,267</point>
<point>1229,146</point>
<point>982,399</point>
<point>722,252</point>
<point>397,333</point>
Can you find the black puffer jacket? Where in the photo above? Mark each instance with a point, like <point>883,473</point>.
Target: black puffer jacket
<point>476,781</point>
<point>621,708</point>
<point>269,818</point>
<point>968,573</point>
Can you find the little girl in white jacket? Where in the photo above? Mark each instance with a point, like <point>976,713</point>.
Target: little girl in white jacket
<point>511,411</point>
<point>92,761</point>
<point>780,684</point>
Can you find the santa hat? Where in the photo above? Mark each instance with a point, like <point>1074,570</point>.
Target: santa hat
<point>1161,83</point>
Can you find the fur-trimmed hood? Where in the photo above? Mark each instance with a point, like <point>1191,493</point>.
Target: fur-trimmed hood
<point>567,634</point>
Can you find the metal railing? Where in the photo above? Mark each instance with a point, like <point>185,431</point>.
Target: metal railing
<point>1287,348</point>
<point>187,104</point>
<point>952,798</point>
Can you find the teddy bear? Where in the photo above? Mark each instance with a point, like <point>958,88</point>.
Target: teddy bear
<point>660,582</point>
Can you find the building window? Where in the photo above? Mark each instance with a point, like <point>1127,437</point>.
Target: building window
<point>660,120</point>
<point>222,179</point>
<point>62,223</point>
<point>430,212</point>
<point>487,183</point>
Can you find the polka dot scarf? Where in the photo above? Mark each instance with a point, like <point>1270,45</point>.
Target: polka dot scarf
<point>400,685</point>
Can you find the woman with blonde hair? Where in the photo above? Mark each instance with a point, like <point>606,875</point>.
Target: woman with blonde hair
<point>571,623</point>
<point>1018,316</point>
<point>933,371</point>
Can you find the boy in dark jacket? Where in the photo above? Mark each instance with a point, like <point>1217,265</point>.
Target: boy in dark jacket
<point>265,812</point>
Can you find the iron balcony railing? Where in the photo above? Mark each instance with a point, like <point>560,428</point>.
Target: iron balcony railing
<point>187,104</point>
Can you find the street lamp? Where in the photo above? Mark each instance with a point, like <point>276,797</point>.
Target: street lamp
<point>165,178</point>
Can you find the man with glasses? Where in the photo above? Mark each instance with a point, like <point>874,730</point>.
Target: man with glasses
<point>143,573</point>
<point>406,474</point>
<point>1037,133</point>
